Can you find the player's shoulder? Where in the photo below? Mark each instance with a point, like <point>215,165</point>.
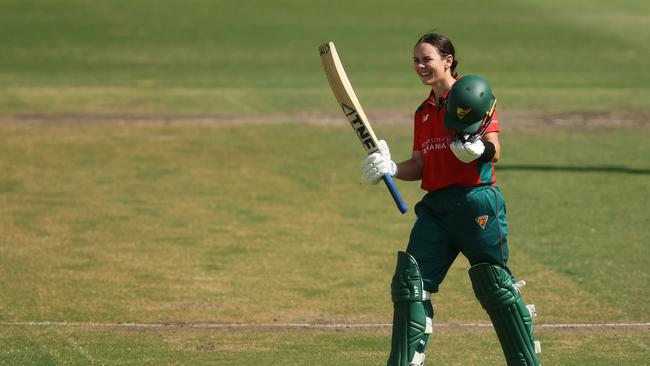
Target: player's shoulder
<point>427,103</point>
<point>494,123</point>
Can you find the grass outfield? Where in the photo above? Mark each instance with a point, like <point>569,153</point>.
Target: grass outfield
<point>87,346</point>
<point>230,57</point>
<point>221,223</point>
<point>171,221</point>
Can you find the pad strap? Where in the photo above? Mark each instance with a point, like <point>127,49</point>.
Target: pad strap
<point>426,295</point>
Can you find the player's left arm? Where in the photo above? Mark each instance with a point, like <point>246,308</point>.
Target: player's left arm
<point>493,137</point>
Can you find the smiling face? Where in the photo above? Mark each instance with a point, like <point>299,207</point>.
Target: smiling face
<point>432,68</point>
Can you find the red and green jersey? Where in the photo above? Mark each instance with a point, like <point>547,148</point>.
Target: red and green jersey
<point>441,167</point>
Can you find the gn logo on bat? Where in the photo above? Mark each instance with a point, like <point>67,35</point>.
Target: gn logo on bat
<point>358,126</point>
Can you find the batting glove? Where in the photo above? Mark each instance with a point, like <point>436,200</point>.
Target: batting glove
<point>375,165</point>
<point>467,151</point>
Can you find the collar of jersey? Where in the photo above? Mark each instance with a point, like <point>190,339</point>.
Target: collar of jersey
<point>432,97</point>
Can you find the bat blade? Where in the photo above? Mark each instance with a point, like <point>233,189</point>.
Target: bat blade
<point>347,100</point>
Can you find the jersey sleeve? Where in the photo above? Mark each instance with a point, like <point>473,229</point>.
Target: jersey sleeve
<point>417,133</point>
<point>494,125</point>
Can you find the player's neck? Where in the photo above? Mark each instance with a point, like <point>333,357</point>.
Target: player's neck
<point>440,88</point>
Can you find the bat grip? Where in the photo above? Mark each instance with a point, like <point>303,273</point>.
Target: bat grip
<point>401,205</point>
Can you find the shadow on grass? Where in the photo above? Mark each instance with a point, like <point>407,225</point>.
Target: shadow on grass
<point>573,169</point>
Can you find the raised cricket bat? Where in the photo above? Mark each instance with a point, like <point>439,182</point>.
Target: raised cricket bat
<point>351,107</point>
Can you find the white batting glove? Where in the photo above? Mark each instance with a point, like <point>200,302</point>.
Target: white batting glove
<point>467,151</point>
<point>375,165</point>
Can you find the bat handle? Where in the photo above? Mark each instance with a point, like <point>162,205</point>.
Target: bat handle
<point>401,205</point>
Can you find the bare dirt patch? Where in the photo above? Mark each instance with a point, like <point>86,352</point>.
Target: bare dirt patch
<point>512,120</point>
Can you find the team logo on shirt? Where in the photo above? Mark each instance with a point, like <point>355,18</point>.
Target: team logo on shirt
<point>461,112</point>
<point>482,221</point>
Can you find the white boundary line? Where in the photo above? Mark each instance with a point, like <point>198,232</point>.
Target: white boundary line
<point>164,326</point>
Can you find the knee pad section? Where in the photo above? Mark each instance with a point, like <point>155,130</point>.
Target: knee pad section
<point>409,317</point>
<point>512,320</point>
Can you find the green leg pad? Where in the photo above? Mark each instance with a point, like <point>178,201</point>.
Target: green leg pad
<point>494,289</point>
<point>409,317</point>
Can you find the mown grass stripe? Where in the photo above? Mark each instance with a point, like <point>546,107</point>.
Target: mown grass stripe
<point>315,326</point>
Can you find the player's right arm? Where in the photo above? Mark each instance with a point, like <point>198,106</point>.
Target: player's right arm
<point>411,169</point>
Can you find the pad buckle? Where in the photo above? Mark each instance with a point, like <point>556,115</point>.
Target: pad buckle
<point>418,359</point>
<point>531,310</point>
<point>519,285</point>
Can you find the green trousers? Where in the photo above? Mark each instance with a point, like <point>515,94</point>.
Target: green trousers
<point>471,221</point>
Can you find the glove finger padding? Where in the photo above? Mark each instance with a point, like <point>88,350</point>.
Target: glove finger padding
<point>374,178</point>
<point>474,148</point>
<point>375,165</point>
<point>383,149</point>
<point>374,159</point>
<point>370,168</point>
<point>372,174</point>
<point>467,151</point>
<point>458,149</point>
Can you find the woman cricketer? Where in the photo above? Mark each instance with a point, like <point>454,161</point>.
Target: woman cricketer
<point>455,147</point>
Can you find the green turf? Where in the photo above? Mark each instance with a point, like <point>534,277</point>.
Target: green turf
<point>87,346</point>
<point>254,57</point>
<point>273,223</point>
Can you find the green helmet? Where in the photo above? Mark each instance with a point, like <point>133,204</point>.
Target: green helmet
<point>469,105</point>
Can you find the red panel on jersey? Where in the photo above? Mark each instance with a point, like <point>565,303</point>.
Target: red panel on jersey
<point>441,168</point>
